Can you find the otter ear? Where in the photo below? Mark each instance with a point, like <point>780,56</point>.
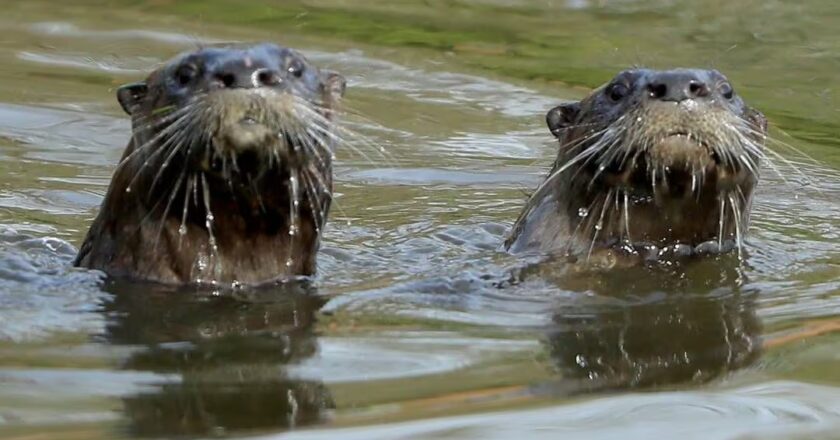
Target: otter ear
<point>130,95</point>
<point>334,83</point>
<point>561,117</point>
<point>758,119</point>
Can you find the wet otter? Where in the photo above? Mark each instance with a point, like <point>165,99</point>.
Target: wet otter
<point>227,178</point>
<point>653,163</point>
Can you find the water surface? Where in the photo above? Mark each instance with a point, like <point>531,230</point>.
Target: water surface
<point>417,326</point>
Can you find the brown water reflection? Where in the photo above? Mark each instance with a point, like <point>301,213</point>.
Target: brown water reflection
<point>227,356</point>
<point>658,335</point>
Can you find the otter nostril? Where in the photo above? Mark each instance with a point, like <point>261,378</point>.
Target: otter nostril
<point>228,80</point>
<point>265,77</point>
<point>697,89</point>
<point>657,90</point>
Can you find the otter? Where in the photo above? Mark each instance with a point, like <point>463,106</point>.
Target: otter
<point>227,178</point>
<point>652,165</point>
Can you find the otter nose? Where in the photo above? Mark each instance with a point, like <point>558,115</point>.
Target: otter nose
<point>240,75</point>
<point>677,86</point>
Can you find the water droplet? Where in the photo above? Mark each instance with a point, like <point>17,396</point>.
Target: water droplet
<point>602,167</point>
<point>289,262</point>
<point>182,230</point>
<point>583,212</point>
<point>599,226</point>
<point>297,203</point>
<point>202,263</point>
<point>128,189</point>
<point>210,217</point>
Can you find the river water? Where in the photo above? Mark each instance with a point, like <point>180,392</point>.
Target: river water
<point>417,326</point>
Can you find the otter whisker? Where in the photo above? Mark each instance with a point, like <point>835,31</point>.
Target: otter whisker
<point>294,207</point>
<point>338,139</point>
<point>324,187</point>
<point>586,153</point>
<point>736,213</point>
<point>790,146</point>
<point>143,123</point>
<point>177,130</point>
<point>314,200</point>
<point>139,149</point>
<point>607,137</point>
<point>792,165</point>
<point>176,146</point>
<point>344,136</point>
<point>721,220</point>
<point>627,216</point>
<point>172,195</point>
<point>189,187</point>
<point>312,146</point>
<point>209,218</point>
<point>612,150</point>
<point>256,192</point>
<point>600,224</point>
<point>580,223</point>
<point>226,173</point>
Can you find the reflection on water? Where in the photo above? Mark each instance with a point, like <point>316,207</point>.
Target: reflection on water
<point>659,330</point>
<point>228,356</point>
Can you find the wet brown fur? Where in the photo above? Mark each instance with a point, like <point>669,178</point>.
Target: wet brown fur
<point>623,181</point>
<point>143,231</point>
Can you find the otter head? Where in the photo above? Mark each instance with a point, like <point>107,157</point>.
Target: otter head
<point>236,112</point>
<point>654,161</point>
<point>228,176</point>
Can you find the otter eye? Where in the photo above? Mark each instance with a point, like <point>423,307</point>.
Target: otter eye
<point>295,68</point>
<point>726,90</point>
<point>185,74</point>
<point>617,91</point>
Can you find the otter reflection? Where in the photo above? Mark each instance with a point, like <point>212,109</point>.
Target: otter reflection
<point>226,357</point>
<point>664,332</point>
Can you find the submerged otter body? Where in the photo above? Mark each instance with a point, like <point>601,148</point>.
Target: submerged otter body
<point>227,178</point>
<point>651,164</point>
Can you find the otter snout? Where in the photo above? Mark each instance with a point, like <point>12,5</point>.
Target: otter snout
<point>245,73</point>
<point>677,86</point>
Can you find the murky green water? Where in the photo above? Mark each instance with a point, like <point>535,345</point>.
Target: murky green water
<point>407,332</point>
